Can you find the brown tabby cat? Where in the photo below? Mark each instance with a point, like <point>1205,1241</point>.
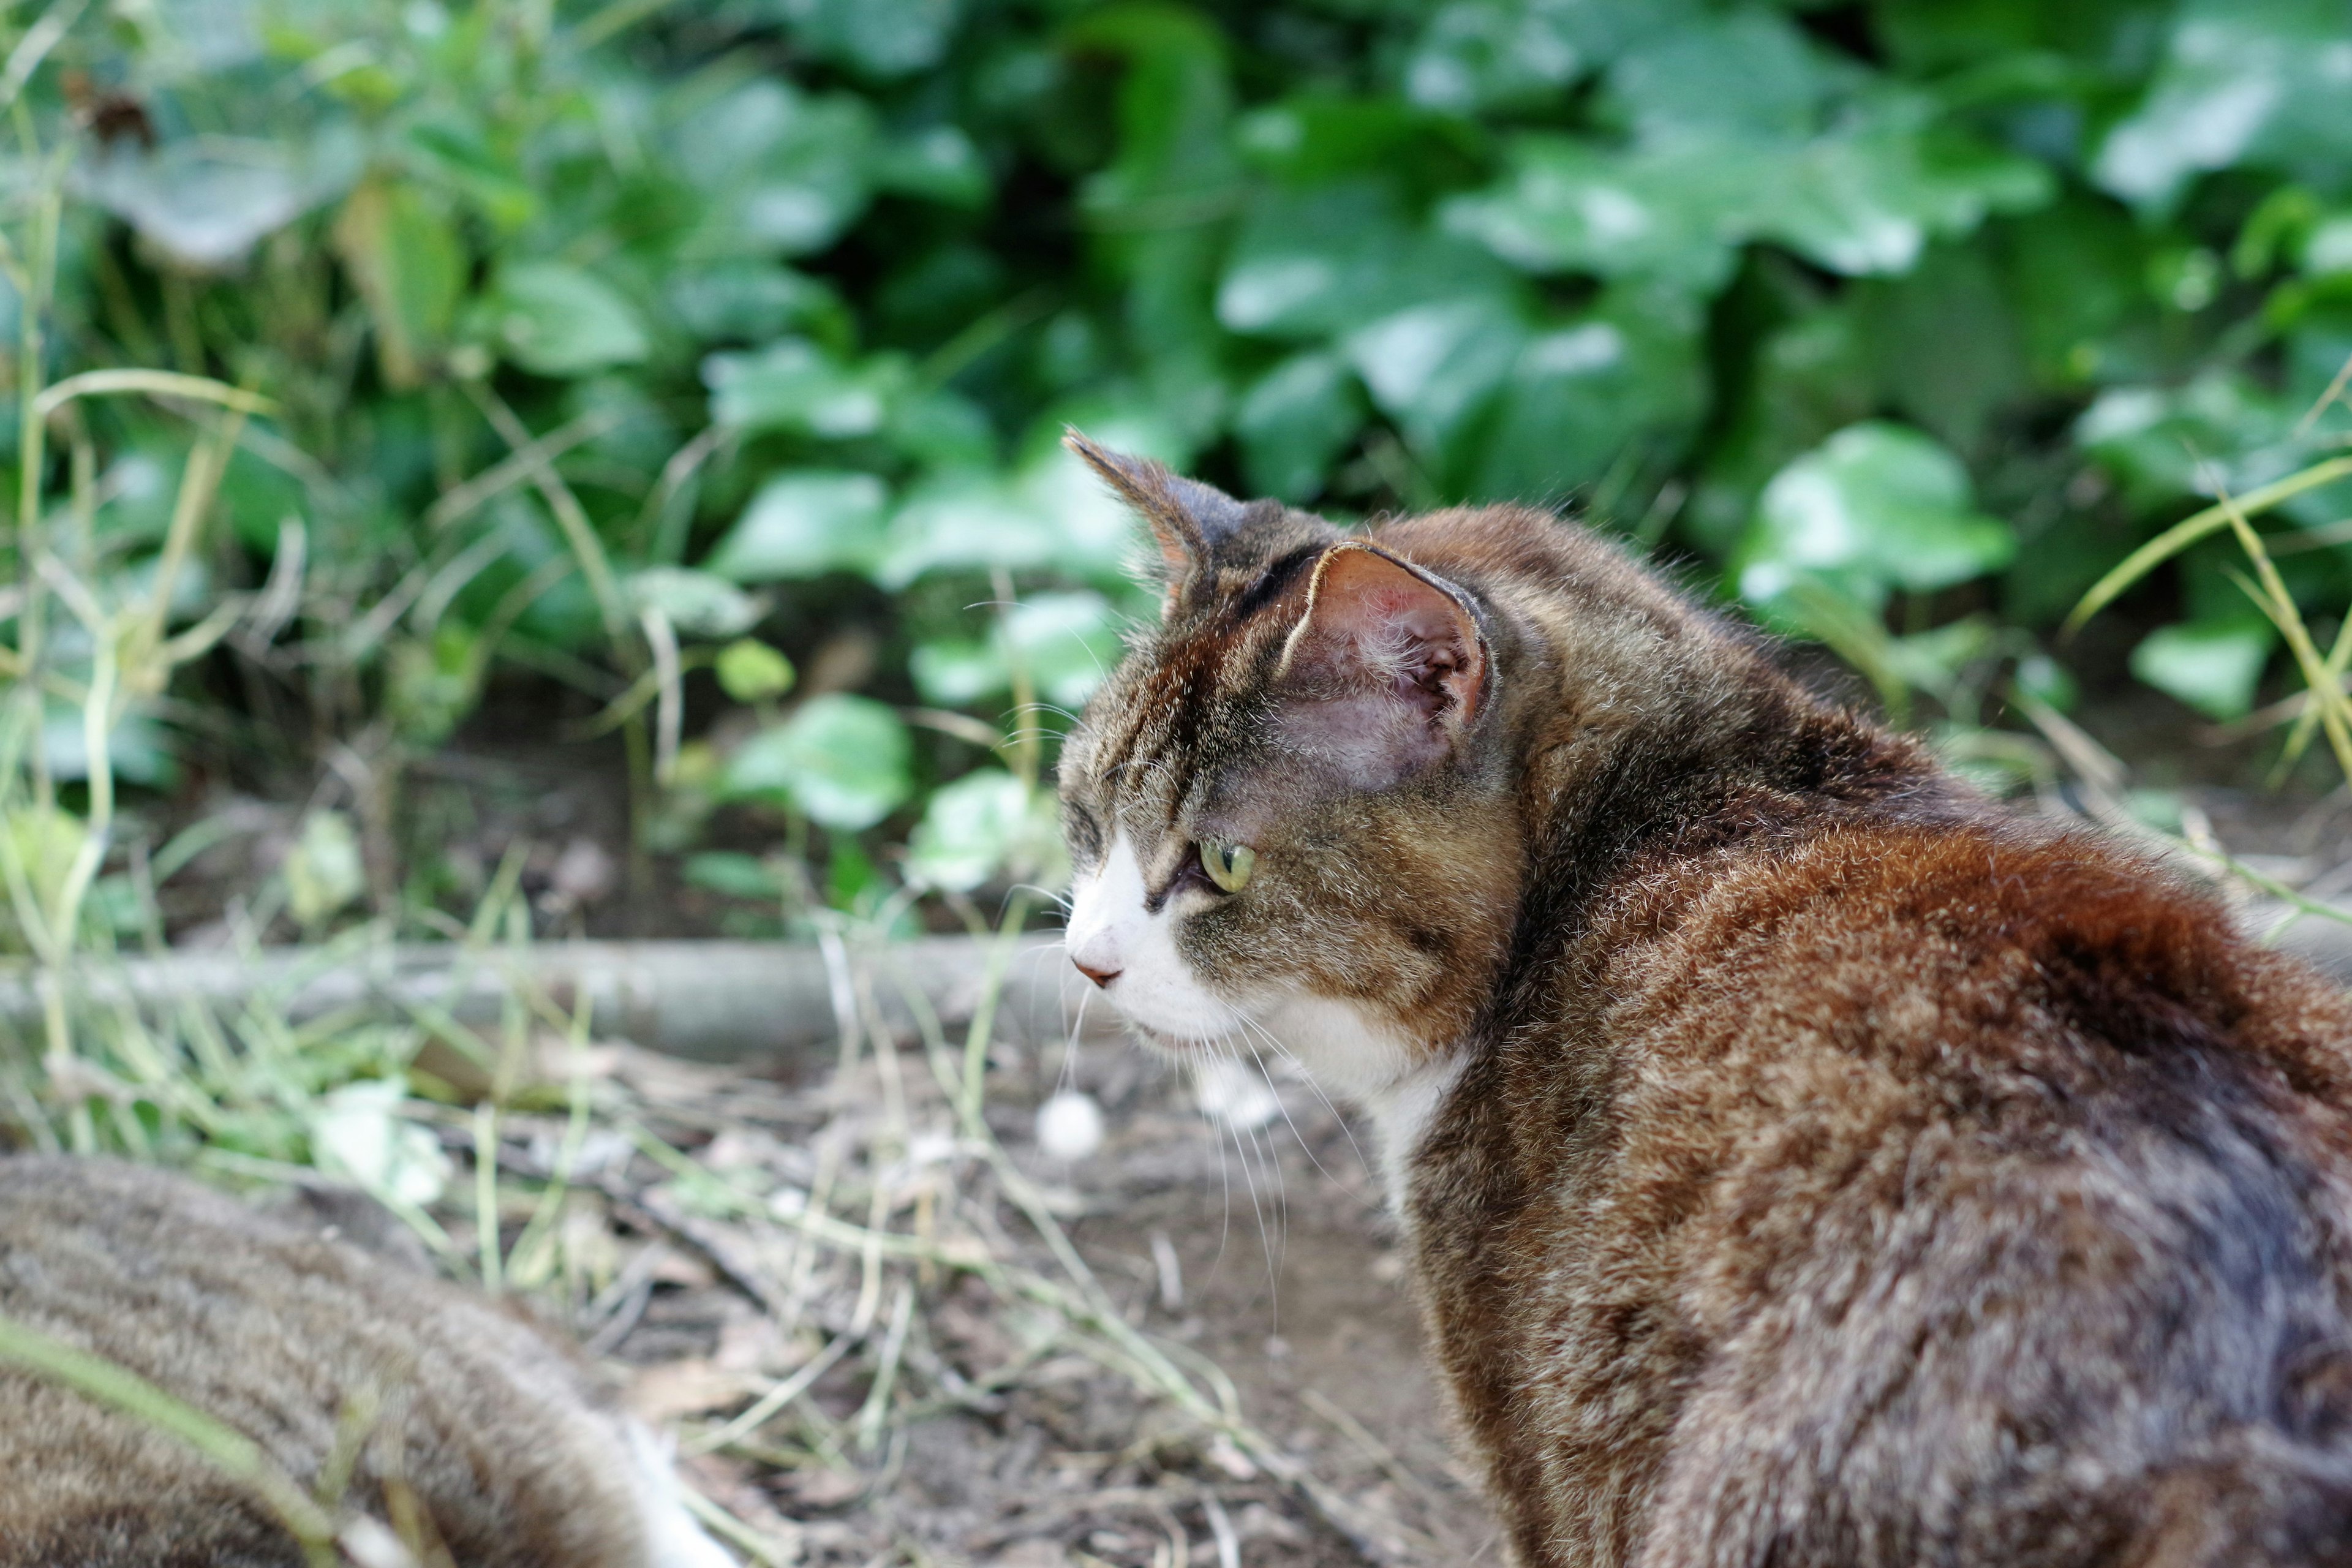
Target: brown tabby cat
<point>490,1446</point>
<point>1805,1163</point>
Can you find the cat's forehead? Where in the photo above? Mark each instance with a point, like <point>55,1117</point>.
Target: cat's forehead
<point>1185,707</point>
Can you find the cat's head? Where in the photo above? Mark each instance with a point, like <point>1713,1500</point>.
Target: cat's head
<point>1290,828</point>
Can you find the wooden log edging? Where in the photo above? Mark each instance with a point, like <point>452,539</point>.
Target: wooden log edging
<point>707,1001</point>
<point>742,1002</point>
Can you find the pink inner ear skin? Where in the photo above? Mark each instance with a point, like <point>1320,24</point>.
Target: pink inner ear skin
<point>1384,671</point>
<point>1374,621</point>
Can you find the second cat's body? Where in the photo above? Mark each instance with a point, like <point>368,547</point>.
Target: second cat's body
<point>457,1425</point>
<point>1805,1163</point>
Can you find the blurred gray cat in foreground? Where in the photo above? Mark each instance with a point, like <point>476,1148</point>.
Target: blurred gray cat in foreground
<point>489,1446</point>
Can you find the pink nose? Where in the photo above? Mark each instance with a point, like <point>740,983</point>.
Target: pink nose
<point>1099,977</point>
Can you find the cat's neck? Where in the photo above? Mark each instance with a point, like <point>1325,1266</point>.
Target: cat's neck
<point>1402,1114</point>
<point>1719,746</point>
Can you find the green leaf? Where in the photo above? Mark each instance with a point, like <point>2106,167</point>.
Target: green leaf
<point>957,673</point>
<point>2222,429</point>
<point>323,869</point>
<point>698,604</point>
<point>750,671</point>
<point>1876,506</point>
<point>357,1132</point>
<point>1865,201</point>
<point>406,261</point>
<point>2214,667</point>
<point>842,760</point>
<point>1432,367</point>
<point>1675,215</point>
<point>879,37</point>
<point>557,320</point>
<point>1297,418</point>
<point>1478,55</point>
<point>780,169</point>
<point>138,748</point>
<point>1580,395</point>
<point>1318,262</point>
<point>1746,76</point>
<point>986,822</point>
<point>792,384</point>
<point>1067,642</point>
<point>2243,81</point>
<point>1861,198</point>
<point>432,682</point>
<point>746,299</point>
<point>205,201</point>
<point>735,874</point>
<point>1052,512</point>
<point>805,524</point>
<point>939,163</point>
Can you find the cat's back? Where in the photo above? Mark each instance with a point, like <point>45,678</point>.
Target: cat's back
<point>1977,1192</point>
<point>455,1412</point>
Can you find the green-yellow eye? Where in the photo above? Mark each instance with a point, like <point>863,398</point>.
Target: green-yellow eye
<point>1228,865</point>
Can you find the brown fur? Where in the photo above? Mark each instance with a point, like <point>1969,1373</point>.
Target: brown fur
<point>502,1441</point>
<point>1840,1171</point>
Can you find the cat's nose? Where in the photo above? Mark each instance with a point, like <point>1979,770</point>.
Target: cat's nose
<point>1099,977</point>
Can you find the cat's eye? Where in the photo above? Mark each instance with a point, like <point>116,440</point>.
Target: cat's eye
<point>1228,865</point>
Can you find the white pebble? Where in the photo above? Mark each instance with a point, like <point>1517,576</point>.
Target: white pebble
<point>1069,1126</point>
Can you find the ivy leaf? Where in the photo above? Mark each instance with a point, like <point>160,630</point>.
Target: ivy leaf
<point>556,321</point>
<point>1431,367</point>
<point>1475,54</point>
<point>880,37</point>
<point>842,760</point>
<point>2164,442</point>
<point>805,524</point>
<point>1746,76</point>
<point>324,871</point>
<point>939,163</point>
<point>1675,216</point>
<point>2214,667</point>
<point>698,604</point>
<point>749,670</point>
<point>2242,82</point>
<point>792,384</point>
<point>1294,421</point>
<point>1317,262</point>
<point>746,301</point>
<point>1876,506</point>
<point>1579,394</point>
<point>1050,513</point>
<point>206,201</point>
<point>986,822</point>
<point>780,169</point>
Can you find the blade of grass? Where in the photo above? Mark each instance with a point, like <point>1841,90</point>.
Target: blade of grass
<point>226,1449</point>
<point>2192,528</point>
<point>156,383</point>
<point>2327,693</point>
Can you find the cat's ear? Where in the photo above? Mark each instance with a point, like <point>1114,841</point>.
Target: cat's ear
<point>1187,517</point>
<point>1387,670</point>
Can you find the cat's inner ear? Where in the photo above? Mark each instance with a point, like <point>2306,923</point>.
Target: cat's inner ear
<point>1186,517</point>
<point>1385,670</point>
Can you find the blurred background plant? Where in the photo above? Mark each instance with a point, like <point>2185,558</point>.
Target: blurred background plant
<point>689,374</point>
<point>543,468</point>
<point>629,431</point>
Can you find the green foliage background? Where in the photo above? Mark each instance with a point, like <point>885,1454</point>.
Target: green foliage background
<point>655,346</point>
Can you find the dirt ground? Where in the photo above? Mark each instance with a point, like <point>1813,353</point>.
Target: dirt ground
<point>1256,1249</point>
